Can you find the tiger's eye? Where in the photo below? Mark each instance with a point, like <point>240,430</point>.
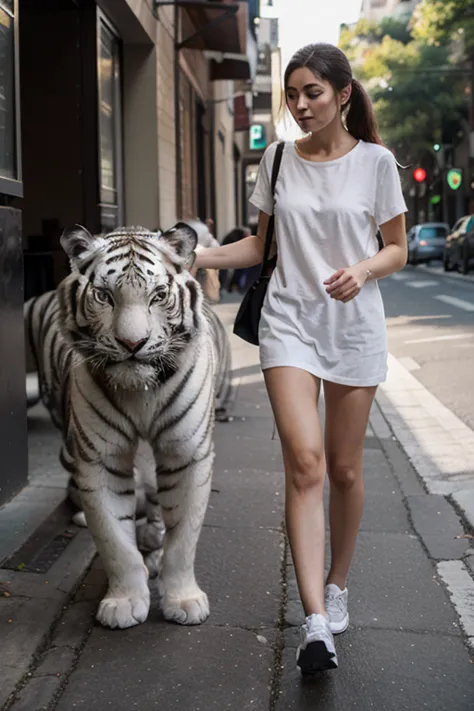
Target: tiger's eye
<point>103,296</point>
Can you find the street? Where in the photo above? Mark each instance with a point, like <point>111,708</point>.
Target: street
<point>411,586</point>
<point>430,318</point>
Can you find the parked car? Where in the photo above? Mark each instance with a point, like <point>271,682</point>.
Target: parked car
<point>459,248</point>
<point>426,242</point>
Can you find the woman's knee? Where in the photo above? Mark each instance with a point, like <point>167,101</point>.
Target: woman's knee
<point>306,468</point>
<point>342,475</point>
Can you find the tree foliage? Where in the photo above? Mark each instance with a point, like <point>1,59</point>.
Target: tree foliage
<point>415,96</point>
<point>439,21</point>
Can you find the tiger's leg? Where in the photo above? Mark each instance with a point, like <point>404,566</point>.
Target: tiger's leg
<point>183,493</point>
<point>108,498</point>
<point>151,530</point>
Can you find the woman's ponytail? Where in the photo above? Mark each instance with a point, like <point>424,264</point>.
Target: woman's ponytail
<point>360,117</point>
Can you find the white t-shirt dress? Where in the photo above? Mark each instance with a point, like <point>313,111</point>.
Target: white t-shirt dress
<point>326,218</point>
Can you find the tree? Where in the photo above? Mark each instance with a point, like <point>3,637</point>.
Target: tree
<point>413,98</point>
<point>438,21</point>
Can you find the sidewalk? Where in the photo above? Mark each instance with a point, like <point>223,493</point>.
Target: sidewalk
<point>405,648</point>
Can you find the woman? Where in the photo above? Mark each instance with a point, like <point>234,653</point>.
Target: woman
<point>323,318</point>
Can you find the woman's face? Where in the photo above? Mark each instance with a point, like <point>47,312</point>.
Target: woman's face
<point>312,101</point>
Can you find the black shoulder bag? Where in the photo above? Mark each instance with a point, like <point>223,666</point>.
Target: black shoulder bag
<point>248,317</point>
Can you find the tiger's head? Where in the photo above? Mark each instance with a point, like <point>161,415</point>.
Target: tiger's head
<point>130,306</point>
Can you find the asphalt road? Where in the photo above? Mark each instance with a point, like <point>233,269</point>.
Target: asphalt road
<point>430,319</point>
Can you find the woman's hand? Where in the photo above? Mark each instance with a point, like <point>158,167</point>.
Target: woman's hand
<point>345,284</point>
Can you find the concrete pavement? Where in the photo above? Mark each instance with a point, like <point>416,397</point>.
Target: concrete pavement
<point>407,647</point>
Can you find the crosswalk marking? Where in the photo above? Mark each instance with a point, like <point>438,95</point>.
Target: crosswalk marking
<point>451,337</point>
<point>422,284</point>
<point>454,301</point>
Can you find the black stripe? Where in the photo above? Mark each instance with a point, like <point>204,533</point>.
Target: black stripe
<point>177,391</point>
<point>117,258</point>
<point>72,298</point>
<point>108,396</point>
<point>79,430</point>
<point>103,418</point>
<point>82,301</point>
<point>81,451</point>
<point>87,490</point>
<point>170,472</point>
<point>147,259</point>
<point>193,301</point>
<point>85,266</point>
<point>180,415</point>
<point>127,492</point>
<point>117,473</point>
<point>128,517</point>
<point>68,466</point>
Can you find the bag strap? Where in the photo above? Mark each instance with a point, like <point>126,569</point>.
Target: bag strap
<point>271,221</point>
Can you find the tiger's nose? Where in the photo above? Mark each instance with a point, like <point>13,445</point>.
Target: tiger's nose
<point>132,346</point>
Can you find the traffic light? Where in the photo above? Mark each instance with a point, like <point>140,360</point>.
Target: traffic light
<point>419,174</point>
<point>436,147</point>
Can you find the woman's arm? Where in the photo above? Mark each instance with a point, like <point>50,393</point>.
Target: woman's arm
<point>393,257</point>
<point>246,253</point>
<point>344,284</point>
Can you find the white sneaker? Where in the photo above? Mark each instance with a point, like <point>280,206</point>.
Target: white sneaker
<point>316,651</point>
<point>335,601</point>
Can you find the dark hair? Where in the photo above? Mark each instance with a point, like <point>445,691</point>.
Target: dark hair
<point>330,63</point>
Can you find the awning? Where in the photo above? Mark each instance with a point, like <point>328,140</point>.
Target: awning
<point>219,25</point>
<point>220,28</point>
<point>235,66</point>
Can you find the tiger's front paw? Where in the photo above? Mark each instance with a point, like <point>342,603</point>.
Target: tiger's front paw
<point>191,608</point>
<point>125,611</point>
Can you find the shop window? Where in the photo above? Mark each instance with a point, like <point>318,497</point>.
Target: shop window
<point>110,127</point>
<point>10,167</point>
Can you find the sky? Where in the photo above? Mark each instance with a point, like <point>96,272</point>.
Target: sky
<point>305,21</point>
<point>302,22</point>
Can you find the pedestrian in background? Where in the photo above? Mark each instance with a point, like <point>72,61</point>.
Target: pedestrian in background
<point>237,277</point>
<point>323,319</point>
<point>207,277</point>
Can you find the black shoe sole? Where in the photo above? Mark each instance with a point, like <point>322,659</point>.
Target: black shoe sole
<point>316,658</point>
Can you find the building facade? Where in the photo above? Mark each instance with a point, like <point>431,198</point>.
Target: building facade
<point>376,10</point>
<point>111,112</point>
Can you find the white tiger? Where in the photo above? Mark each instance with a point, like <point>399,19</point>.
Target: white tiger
<point>141,366</point>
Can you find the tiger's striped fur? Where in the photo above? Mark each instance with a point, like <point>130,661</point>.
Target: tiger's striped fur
<point>134,360</point>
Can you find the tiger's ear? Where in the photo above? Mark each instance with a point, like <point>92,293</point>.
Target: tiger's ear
<point>76,241</point>
<point>182,238</point>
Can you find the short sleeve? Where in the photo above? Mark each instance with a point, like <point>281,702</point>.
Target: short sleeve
<point>389,200</point>
<point>262,196</point>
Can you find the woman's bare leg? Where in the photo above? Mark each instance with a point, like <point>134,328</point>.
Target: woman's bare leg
<point>347,414</point>
<point>294,397</point>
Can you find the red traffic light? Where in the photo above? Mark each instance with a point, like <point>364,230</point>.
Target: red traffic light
<point>420,175</point>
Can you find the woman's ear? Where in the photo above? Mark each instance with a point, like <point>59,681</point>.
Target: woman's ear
<point>345,95</point>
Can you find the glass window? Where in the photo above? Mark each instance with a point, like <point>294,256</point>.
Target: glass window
<point>110,135</point>
<point>8,162</point>
<point>433,232</point>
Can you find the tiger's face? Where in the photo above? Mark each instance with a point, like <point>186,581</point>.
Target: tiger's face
<point>130,306</point>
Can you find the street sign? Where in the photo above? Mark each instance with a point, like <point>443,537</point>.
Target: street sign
<point>454,178</point>
<point>258,140</point>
